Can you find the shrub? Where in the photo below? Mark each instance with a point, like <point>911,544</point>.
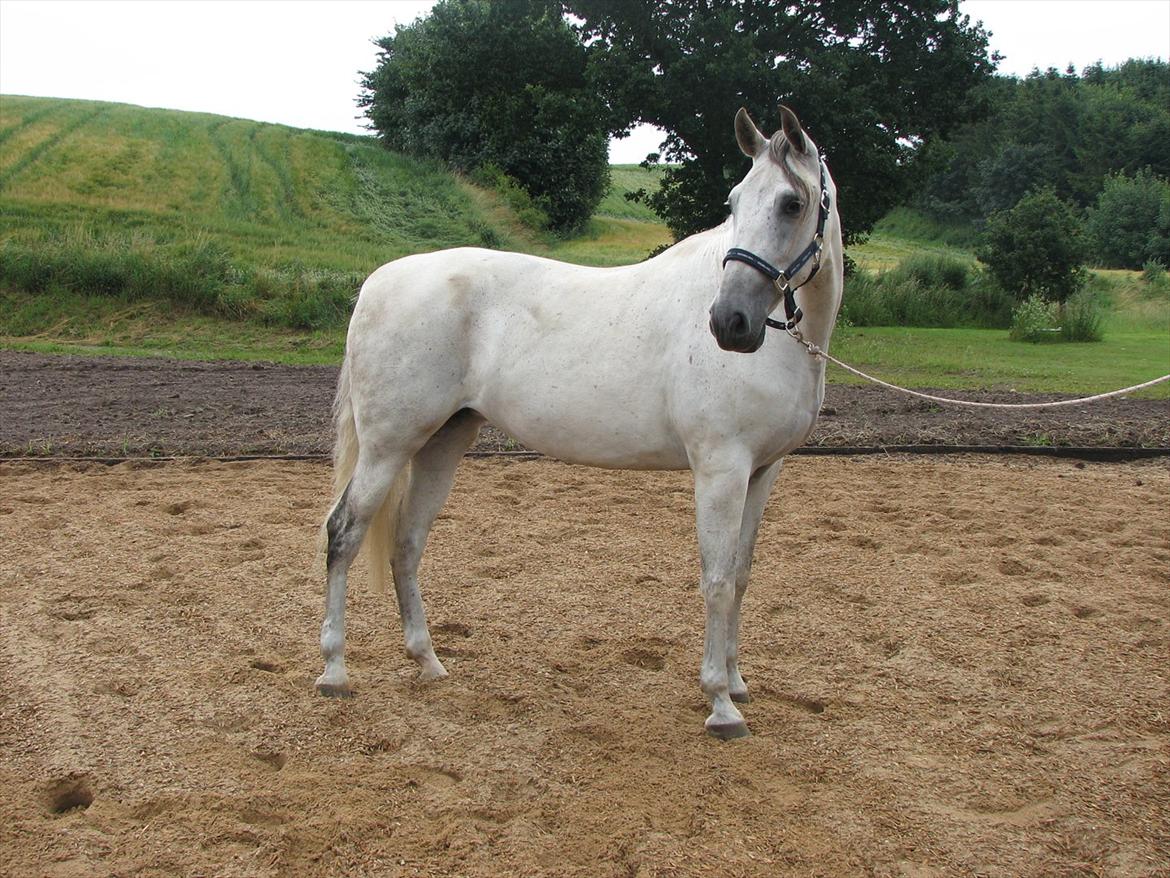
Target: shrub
<point>1036,248</point>
<point>1130,223</point>
<point>1082,318</point>
<point>198,273</point>
<point>1154,272</point>
<point>935,291</point>
<point>1033,320</point>
<point>936,271</point>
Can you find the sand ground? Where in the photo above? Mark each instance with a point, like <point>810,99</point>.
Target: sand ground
<point>958,667</point>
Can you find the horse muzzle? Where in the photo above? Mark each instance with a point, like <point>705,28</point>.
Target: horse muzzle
<point>733,331</point>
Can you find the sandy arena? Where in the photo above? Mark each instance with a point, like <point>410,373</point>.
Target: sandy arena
<point>958,667</point>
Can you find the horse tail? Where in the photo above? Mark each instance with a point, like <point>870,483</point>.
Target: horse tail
<point>379,538</point>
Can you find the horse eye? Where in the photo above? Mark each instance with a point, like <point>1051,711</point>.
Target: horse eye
<point>792,207</point>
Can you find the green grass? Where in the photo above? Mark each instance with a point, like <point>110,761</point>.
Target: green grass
<point>625,179</point>
<point>75,323</point>
<point>988,359</point>
<point>1136,348</point>
<point>240,218</point>
<point>905,233</point>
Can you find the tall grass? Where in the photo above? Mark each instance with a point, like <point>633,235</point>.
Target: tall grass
<point>927,290</point>
<point>197,272</point>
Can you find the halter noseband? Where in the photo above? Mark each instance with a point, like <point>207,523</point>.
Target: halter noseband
<point>780,278</point>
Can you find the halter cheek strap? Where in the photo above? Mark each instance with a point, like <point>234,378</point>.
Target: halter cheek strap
<point>780,278</point>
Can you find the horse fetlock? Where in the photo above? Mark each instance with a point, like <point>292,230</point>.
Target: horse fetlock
<point>714,682</point>
<point>332,641</point>
<point>736,687</point>
<point>422,652</point>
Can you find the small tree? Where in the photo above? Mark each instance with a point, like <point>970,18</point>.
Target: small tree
<point>502,84</point>
<point>1130,223</point>
<point>1036,248</point>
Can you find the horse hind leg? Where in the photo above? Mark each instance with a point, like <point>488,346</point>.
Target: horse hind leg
<point>346,528</point>
<point>432,475</point>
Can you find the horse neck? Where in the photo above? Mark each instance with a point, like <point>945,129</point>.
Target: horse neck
<point>820,307</point>
<point>820,300</point>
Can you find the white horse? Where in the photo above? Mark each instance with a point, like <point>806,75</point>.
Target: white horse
<point>613,367</point>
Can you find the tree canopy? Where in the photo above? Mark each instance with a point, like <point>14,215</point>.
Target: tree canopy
<point>1057,130</point>
<point>1036,248</point>
<point>870,79</point>
<point>499,84</point>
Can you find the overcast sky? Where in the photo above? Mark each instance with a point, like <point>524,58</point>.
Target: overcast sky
<point>297,61</point>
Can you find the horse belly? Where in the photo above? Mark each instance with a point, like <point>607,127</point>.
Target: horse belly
<point>593,418</point>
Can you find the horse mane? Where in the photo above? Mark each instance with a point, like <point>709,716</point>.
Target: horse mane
<point>781,152</point>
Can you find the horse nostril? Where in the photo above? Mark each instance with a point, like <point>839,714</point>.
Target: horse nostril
<point>738,323</point>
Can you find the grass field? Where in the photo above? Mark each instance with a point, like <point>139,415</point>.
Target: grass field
<point>241,218</point>
<point>156,232</point>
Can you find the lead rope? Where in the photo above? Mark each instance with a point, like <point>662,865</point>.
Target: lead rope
<point>815,351</point>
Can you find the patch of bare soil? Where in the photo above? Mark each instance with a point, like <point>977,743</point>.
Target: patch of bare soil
<point>958,667</point>
<point>118,406</point>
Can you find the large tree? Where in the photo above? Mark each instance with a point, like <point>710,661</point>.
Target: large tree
<point>871,80</point>
<point>496,83</point>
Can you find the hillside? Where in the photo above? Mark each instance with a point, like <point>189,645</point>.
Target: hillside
<point>235,216</point>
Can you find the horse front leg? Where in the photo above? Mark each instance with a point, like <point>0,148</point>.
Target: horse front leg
<point>758,490</point>
<point>720,496</point>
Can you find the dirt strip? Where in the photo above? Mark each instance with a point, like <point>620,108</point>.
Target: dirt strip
<point>120,406</point>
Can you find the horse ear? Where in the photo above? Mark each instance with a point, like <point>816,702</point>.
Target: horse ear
<point>792,129</point>
<point>750,139</point>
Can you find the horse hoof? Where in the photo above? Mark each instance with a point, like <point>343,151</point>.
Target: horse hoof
<point>728,731</point>
<point>741,697</point>
<point>334,690</point>
<point>430,674</point>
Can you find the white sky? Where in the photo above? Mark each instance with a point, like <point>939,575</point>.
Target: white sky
<point>297,61</point>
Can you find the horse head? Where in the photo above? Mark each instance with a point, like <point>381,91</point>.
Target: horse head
<point>779,211</point>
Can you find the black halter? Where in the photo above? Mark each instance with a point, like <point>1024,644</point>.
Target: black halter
<point>781,278</point>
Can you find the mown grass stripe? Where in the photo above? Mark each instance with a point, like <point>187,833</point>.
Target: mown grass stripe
<point>286,205</point>
<point>38,150</point>
<point>29,120</point>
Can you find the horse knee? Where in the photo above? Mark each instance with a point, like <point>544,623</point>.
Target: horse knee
<point>719,592</point>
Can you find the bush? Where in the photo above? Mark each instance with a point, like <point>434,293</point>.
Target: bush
<point>1130,223</point>
<point>935,291</point>
<point>1082,318</point>
<point>1036,248</point>
<point>199,274</point>
<point>1033,320</point>
<point>936,271</point>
